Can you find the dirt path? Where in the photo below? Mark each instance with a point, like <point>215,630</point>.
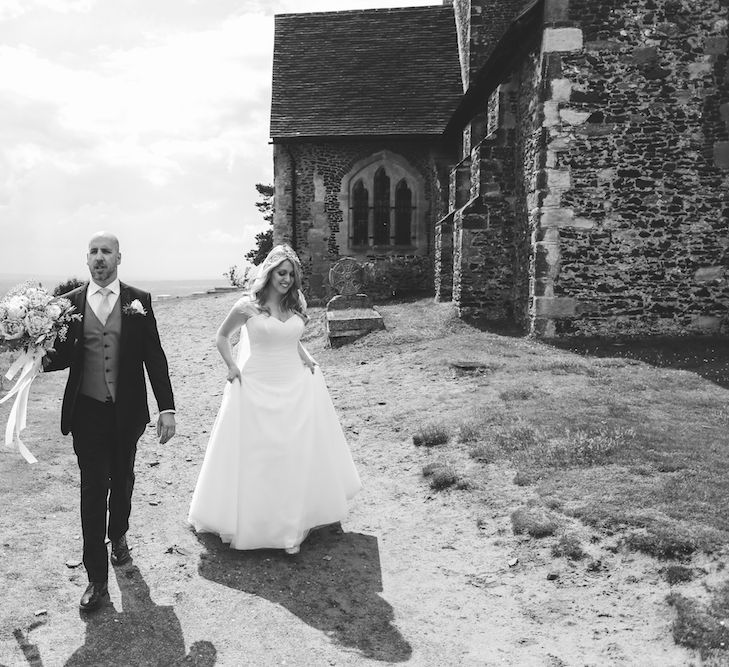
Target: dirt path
<point>416,577</point>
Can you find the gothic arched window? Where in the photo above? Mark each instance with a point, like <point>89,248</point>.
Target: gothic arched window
<point>403,213</point>
<point>384,206</point>
<point>381,231</point>
<point>360,213</point>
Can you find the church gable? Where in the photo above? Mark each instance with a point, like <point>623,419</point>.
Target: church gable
<point>378,72</point>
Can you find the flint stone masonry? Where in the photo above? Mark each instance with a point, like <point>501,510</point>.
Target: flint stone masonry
<point>581,187</point>
<point>309,178</point>
<point>643,136</point>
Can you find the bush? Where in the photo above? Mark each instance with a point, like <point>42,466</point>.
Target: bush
<point>677,574</point>
<point>443,475</point>
<point>534,521</point>
<point>470,432</point>
<point>568,546</point>
<point>431,435</point>
<point>483,453</point>
<point>67,286</point>
<point>443,478</point>
<point>702,628</point>
<point>235,276</point>
<point>663,541</point>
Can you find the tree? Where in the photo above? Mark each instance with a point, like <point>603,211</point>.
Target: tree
<point>264,239</point>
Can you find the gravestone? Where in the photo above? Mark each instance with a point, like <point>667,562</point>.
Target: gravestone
<point>349,314</point>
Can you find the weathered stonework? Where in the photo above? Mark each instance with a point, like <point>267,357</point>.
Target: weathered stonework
<point>642,205</point>
<point>312,215</point>
<point>587,182</point>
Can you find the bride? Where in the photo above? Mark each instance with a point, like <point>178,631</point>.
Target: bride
<point>277,463</point>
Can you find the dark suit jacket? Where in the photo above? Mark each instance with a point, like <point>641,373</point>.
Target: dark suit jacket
<point>139,347</point>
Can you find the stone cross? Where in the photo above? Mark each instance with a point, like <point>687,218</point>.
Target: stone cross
<point>346,276</point>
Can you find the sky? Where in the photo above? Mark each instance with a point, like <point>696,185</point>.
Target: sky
<point>146,118</point>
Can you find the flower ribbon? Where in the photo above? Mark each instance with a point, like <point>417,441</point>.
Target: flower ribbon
<point>29,365</point>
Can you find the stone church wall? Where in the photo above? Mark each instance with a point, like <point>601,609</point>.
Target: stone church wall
<point>634,222</point>
<point>494,221</point>
<point>309,215</point>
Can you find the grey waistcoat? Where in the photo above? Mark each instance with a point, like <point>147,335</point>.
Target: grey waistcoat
<point>101,354</point>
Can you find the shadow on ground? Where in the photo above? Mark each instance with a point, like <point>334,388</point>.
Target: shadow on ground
<point>332,585</point>
<point>708,356</point>
<point>144,633</point>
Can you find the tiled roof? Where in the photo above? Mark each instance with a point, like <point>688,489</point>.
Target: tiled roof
<point>365,72</point>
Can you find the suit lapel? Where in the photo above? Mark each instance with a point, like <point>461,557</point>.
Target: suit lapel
<point>124,297</point>
<point>80,303</point>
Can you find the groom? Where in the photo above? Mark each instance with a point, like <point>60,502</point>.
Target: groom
<point>105,402</point>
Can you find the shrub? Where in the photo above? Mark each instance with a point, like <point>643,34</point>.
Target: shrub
<point>431,435</point>
<point>534,521</point>
<point>483,453</point>
<point>470,432</point>
<point>569,546</point>
<point>663,541</point>
<point>444,477</point>
<point>67,286</point>
<point>430,468</point>
<point>677,574</point>
<point>702,628</point>
<point>236,277</point>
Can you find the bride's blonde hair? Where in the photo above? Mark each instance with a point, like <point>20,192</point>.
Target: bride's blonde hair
<point>294,299</point>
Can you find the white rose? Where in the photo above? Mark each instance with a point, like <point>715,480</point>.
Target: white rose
<point>37,297</point>
<point>17,307</point>
<point>11,329</point>
<point>53,310</point>
<point>37,324</point>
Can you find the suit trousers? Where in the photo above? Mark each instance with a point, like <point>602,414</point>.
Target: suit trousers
<point>105,451</point>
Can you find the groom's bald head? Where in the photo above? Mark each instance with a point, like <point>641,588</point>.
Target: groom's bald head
<point>107,237</point>
<point>103,257</point>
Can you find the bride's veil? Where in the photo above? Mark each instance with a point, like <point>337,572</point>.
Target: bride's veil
<point>244,347</point>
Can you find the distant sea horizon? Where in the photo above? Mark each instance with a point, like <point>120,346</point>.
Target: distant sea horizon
<point>158,288</point>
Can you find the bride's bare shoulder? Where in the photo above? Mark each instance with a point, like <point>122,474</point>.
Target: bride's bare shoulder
<point>246,307</point>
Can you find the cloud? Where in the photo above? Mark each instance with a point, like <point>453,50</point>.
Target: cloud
<point>220,237</point>
<point>146,118</point>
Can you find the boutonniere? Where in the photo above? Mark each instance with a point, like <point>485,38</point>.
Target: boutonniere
<point>134,308</point>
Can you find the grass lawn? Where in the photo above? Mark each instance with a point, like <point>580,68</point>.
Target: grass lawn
<point>631,437</point>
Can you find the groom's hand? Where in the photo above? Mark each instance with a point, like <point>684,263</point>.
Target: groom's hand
<point>165,427</point>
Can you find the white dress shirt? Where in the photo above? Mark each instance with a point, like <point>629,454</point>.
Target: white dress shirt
<point>94,299</point>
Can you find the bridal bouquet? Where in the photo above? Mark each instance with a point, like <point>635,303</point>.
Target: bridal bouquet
<point>30,321</point>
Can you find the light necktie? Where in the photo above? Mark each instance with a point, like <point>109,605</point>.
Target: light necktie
<point>104,309</point>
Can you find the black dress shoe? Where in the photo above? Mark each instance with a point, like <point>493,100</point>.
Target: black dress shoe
<point>120,551</point>
<point>93,595</point>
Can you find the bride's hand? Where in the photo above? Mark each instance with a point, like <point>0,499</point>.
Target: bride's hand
<point>311,365</point>
<point>233,373</point>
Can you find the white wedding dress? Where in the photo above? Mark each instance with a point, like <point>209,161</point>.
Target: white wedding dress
<point>277,463</point>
